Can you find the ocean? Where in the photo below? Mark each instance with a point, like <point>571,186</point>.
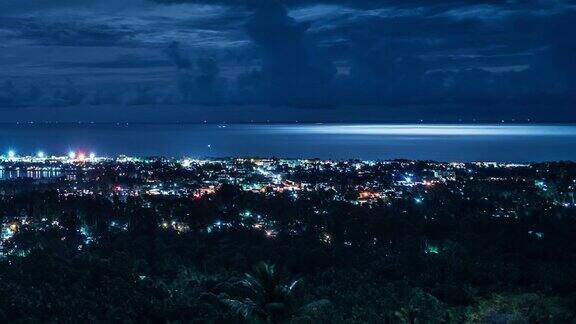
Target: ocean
<point>498,142</point>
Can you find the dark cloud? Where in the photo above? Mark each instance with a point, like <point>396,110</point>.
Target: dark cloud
<point>561,51</point>
<point>198,79</point>
<point>18,95</point>
<point>453,50</point>
<point>441,5</point>
<point>121,62</point>
<point>292,70</point>
<point>179,59</point>
<point>64,8</point>
<point>9,95</point>
<point>71,33</point>
<point>305,53</point>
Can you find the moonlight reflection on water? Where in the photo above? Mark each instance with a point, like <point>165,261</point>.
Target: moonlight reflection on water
<point>513,143</point>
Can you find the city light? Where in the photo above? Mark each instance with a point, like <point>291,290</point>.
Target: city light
<point>11,154</point>
<point>418,190</point>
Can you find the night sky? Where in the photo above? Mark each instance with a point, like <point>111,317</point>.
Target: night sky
<point>309,60</point>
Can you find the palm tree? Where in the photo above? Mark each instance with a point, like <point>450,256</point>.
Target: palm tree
<point>408,315</point>
<point>269,300</point>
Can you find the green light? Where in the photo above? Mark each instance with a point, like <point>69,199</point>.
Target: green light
<point>432,249</point>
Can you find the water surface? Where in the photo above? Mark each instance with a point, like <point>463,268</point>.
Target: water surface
<point>514,143</point>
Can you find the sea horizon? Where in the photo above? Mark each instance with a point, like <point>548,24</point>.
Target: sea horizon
<point>517,143</point>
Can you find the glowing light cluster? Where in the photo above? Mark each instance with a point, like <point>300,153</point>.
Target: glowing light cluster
<point>41,154</point>
<point>81,156</point>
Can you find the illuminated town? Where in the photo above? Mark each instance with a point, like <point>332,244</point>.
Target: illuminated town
<point>173,188</point>
<point>399,215</point>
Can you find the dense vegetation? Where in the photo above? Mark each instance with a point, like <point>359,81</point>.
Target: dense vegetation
<point>328,261</point>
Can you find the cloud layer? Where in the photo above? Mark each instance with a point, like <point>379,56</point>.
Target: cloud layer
<point>483,56</point>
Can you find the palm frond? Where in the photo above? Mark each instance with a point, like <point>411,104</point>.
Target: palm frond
<point>243,308</point>
<point>270,298</point>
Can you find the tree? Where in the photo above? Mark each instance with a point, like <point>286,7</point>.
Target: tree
<point>269,300</point>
